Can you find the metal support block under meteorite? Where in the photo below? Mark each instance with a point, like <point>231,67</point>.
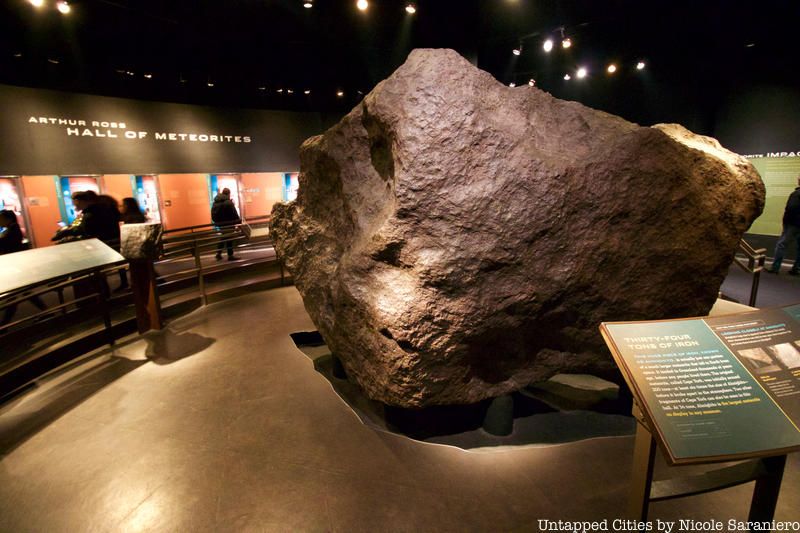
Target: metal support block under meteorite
<point>455,239</point>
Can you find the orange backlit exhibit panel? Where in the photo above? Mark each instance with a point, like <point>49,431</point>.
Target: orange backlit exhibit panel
<point>185,200</point>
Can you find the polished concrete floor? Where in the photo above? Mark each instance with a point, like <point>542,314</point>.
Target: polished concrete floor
<point>219,423</point>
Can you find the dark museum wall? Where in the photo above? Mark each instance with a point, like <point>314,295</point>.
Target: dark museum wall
<point>51,132</point>
<point>760,119</point>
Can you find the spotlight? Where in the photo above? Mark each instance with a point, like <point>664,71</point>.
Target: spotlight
<point>63,7</point>
<point>262,88</point>
<point>210,84</point>
<point>411,8</point>
<point>581,73</point>
<point>279,91</point>
<point>362,5</point>
<point>148,76</point>
<point>308,5</point>
<point>307,91</point>
<point>548,45</point>
<point>566,43</point>
<point>512,84</point>
<point>567,77</point>
<point>517,51</point>
<point>532,82</point>
<point>339,93</point>
<point>36,3</point>
<point>640,65</point>
<point>53,61</point>
<point>612,68</point>
<point>289,91</point>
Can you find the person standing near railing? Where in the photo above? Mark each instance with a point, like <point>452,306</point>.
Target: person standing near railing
<point>98,220</point>
<point>790,233</point>
<point>224,215</point>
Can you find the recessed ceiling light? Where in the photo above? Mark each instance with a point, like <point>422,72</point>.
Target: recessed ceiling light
<point>611,69</point>
<point>362,5</point>
<point>582,72</point>
<point>548,45</point>
<point>308,5</point>
<point>63,7</point>
<point>566,43</point>
<point>411,8</point>
<point>640,65</point>
<point>36,3</point>
<point>567,77</point>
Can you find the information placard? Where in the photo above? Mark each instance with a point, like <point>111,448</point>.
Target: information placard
<point>715,388</point>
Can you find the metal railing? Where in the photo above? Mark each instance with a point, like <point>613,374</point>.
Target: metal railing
<point>180,246</point>
<point>752,263</point>
<point>82,312</point>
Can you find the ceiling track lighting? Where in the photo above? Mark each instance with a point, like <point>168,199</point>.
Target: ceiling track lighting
<point>148,75</point>
<point>411,8</point>
<point>567,77</point>
<point>566,42</point>
<point>63,7</point>
<point>307,92</point>
<point>518,50</point>
<point>640,65</point>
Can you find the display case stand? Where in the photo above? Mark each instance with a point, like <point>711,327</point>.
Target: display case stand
<point>767,472</point>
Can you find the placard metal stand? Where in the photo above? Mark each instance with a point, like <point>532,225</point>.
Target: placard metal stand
<point>767,472</point>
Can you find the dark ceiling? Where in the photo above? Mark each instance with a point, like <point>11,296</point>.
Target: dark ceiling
<point>248,49</point>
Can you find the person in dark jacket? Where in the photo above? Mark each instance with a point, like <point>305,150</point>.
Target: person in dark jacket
<point>11,242</point>
<point>790,233</point>
<point>11,237</point>
<point>223,214</point>
<point>99,219</point>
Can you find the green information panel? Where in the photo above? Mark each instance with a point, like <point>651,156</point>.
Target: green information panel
<point>716,388</point>
<point>780,178</point>
<point>42,264</point>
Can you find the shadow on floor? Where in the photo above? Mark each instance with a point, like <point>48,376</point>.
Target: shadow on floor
<point>60,397</point>
<point>547,413</point>
<point>165,346</point>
